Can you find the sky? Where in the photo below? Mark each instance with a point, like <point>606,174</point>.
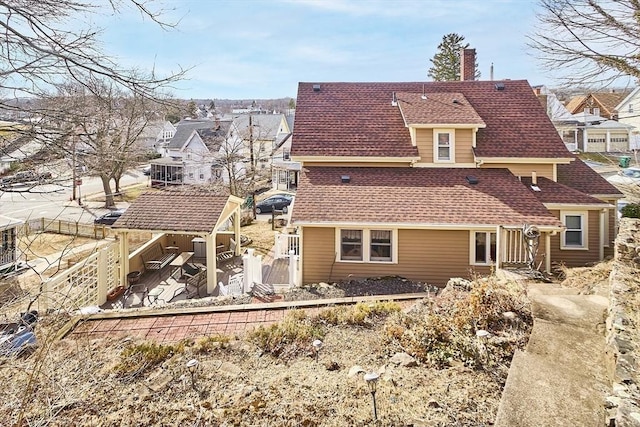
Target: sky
<point>255,49</point>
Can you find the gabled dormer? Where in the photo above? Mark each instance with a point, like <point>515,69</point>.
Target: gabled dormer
<point>442,125</point>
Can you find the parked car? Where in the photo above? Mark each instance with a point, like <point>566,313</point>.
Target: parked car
<point>146,170</point>
<point>109,218</point>
<point>626,176</point>
<point>277,202</point>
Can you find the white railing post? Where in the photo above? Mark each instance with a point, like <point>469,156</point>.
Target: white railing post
<point>293,268</point>
<point>247,267</point>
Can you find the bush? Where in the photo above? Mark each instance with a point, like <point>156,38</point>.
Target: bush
<point>139,358</point>
<point>290,337</point>
<point>361,314</point>
<point>632,210</point>
<point>211,343</point>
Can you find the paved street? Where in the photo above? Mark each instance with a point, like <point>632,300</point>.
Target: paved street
<point>54,200</point>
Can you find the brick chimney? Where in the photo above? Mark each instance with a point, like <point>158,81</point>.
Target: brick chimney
<point>467,64</point>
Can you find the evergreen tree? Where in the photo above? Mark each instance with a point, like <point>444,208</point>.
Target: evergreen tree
<point>446,62</point>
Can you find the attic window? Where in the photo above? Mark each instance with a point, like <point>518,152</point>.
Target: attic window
<point>472,179</point>
<point>316,88</point>
<point>345,179</point>
<point>499,86</point>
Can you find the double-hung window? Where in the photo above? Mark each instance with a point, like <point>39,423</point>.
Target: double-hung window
<point>351,245</point>
<point>444,145</point>
<point>367,245</point>
<point>484,248</point>
<point>575,234</point>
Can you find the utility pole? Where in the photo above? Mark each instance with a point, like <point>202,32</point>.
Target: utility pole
<point>253,168</point>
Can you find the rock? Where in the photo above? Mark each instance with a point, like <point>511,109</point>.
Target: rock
<point>332,366</point>
<point>433,404</point>
<point>355,370</point>
<point>230,368</point>
<point>403,359</point>
<point>611,402</point>
<point>459,283</point>
<point>248,390</point>
<point>623,346</point>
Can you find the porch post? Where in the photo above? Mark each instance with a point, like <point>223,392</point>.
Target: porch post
<point>210,244</point>
<point>124,258</point>
<point>236,229</point>
<point>498,248</point>
<point>547,249</point>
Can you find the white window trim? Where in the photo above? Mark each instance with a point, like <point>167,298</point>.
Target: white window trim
<point>585,230</point>
<point>366,245</point>
<point>452,145</point>
<point>472,247</point>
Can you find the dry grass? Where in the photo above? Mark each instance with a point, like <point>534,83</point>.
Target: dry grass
<point>261,235</point>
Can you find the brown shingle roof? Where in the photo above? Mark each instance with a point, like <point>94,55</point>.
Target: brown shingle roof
<point>573,106</point>
<point>609,100</point>
<point>357,119</point>
<point>437,108</point>
<point>191,210</point>
<point>581,177</point>
<point>553,192</point>
<point>422,196</point>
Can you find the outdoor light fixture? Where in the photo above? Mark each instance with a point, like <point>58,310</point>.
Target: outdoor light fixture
<point>317,345</point>
<point>371,379</point>
<point>192,366</point>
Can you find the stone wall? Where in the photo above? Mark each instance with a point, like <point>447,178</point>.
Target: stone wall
<point>623,328</point>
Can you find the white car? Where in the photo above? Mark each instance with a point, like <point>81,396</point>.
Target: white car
<point>627,176</point>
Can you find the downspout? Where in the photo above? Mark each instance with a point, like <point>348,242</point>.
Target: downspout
<point>602,236</point>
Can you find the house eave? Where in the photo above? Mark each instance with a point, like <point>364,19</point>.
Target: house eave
<point>580,206</point>
<point>447,125</point>
<point>535,160</point>
<point>421,226</point>
<point>354,159</point>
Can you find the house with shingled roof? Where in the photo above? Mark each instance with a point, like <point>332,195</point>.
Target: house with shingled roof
<point>435,180</point>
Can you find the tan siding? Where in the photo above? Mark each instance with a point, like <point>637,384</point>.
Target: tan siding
<point>577,258</point>
<point>358,164</point>
<point>432,256</point>
<point>464,139</point>
<point>424,141</point>
<point>524,169</point>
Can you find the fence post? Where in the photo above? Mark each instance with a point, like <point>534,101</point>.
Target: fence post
<point>293,270</point>
<point>103,265</point>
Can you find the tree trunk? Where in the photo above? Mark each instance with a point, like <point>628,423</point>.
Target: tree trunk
<point>108,199</point>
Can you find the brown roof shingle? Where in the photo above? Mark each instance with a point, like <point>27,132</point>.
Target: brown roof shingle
<point>581,177</point>
<point>437,108</point>
<point>554,192</point>
<point>417,196</point>
<point>191,210</point>
<point>357,119</point>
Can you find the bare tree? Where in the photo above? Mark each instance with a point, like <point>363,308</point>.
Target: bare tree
<point>49,43</point>
<point>596,40</point>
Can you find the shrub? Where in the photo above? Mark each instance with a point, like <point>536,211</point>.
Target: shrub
<point>632,210</point>
<point>139,358</point>
<point>211,343</point>
<point>361,314</point>
<point>289,337</point>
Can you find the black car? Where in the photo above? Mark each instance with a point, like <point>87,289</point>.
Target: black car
<point>277,202</point>
<point>109,218</point>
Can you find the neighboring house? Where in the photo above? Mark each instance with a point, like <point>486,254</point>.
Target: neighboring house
<point>629,113</point>
<point>595,134</point>
<point>437,180</point>
<point>192,154</point>
<point>8,242</point>
<point>602,104</point>
<point>156,136</point>
<point>285,171</point>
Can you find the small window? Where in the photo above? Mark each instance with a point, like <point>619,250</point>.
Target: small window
<point>351,245</point>
<point>596,111</point>
<point>574,236</point>
<point>485,248</point>
<point>631,108</point>
<point>380,245</point>
<point>443,147</point>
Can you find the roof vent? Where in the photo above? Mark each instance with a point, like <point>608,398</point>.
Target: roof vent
<point>472,179</point>
<point>455,101</point>
<point>535,188</point>
<point>345,179</point>
<point>316,88</point>
<point>499,86</point>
